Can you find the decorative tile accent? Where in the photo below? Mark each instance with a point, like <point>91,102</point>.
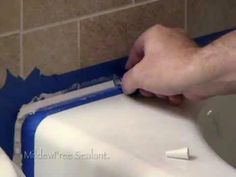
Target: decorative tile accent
<point>9,15</point>
<point>9,56</point>
<point>53,51</point>
<point>208,16</point>
<point>41,12</point>
<point>111,35</point>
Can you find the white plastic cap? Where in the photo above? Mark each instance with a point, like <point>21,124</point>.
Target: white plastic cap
<point>182,153</point>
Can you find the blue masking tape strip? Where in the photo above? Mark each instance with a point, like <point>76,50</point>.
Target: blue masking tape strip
<point>204,40</point>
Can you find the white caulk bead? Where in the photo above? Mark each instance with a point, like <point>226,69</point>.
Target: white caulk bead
<point>182,153</point>
<point>17,150</point>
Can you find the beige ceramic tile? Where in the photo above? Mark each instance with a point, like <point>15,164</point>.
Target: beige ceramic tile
<point>9,15</point>
<point>112,35</point>
<point>207,16</point>
<point>53,50</point>
<point>41,12</point>
<point>9,56</point>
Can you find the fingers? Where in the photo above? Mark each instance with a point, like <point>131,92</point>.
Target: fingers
<point>132,80</point>
<point>136,53</point>
<point>146,93</point>
<point>176,99</point>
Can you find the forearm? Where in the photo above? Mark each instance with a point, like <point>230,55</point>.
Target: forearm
<point>214,68</point>
<point>217,61</point>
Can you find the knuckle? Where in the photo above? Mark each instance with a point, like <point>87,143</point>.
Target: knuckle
<point>159,27</point>
<point>154,31</point>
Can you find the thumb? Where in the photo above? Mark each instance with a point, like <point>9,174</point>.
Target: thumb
<point>132,80</point>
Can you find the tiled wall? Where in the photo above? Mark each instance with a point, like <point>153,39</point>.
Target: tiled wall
<point>58,36</point>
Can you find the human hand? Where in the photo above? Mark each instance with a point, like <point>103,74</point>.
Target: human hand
<point>165,63</point>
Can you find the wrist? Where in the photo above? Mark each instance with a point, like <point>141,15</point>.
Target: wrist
<point>224,50</point>
<point>203,68</point>
<point>218,62</point>
<point>196,72</point>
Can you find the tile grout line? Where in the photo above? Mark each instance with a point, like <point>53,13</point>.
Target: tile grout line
<point>50,25</point>
<point>21,40</point>
<point>89,16</point>
<point>75,19</point>
<point>78,41</point>
<point>116,9</point>
<point>9,33</point>
<point>186,15</point>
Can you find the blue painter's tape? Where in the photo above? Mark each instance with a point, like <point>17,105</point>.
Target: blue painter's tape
<point>204,40</point>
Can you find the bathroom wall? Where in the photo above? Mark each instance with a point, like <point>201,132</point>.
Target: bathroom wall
<point>58,36</point>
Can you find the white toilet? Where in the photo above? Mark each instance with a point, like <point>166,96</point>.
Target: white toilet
<point>115,137</point>
<point>7,167</point>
